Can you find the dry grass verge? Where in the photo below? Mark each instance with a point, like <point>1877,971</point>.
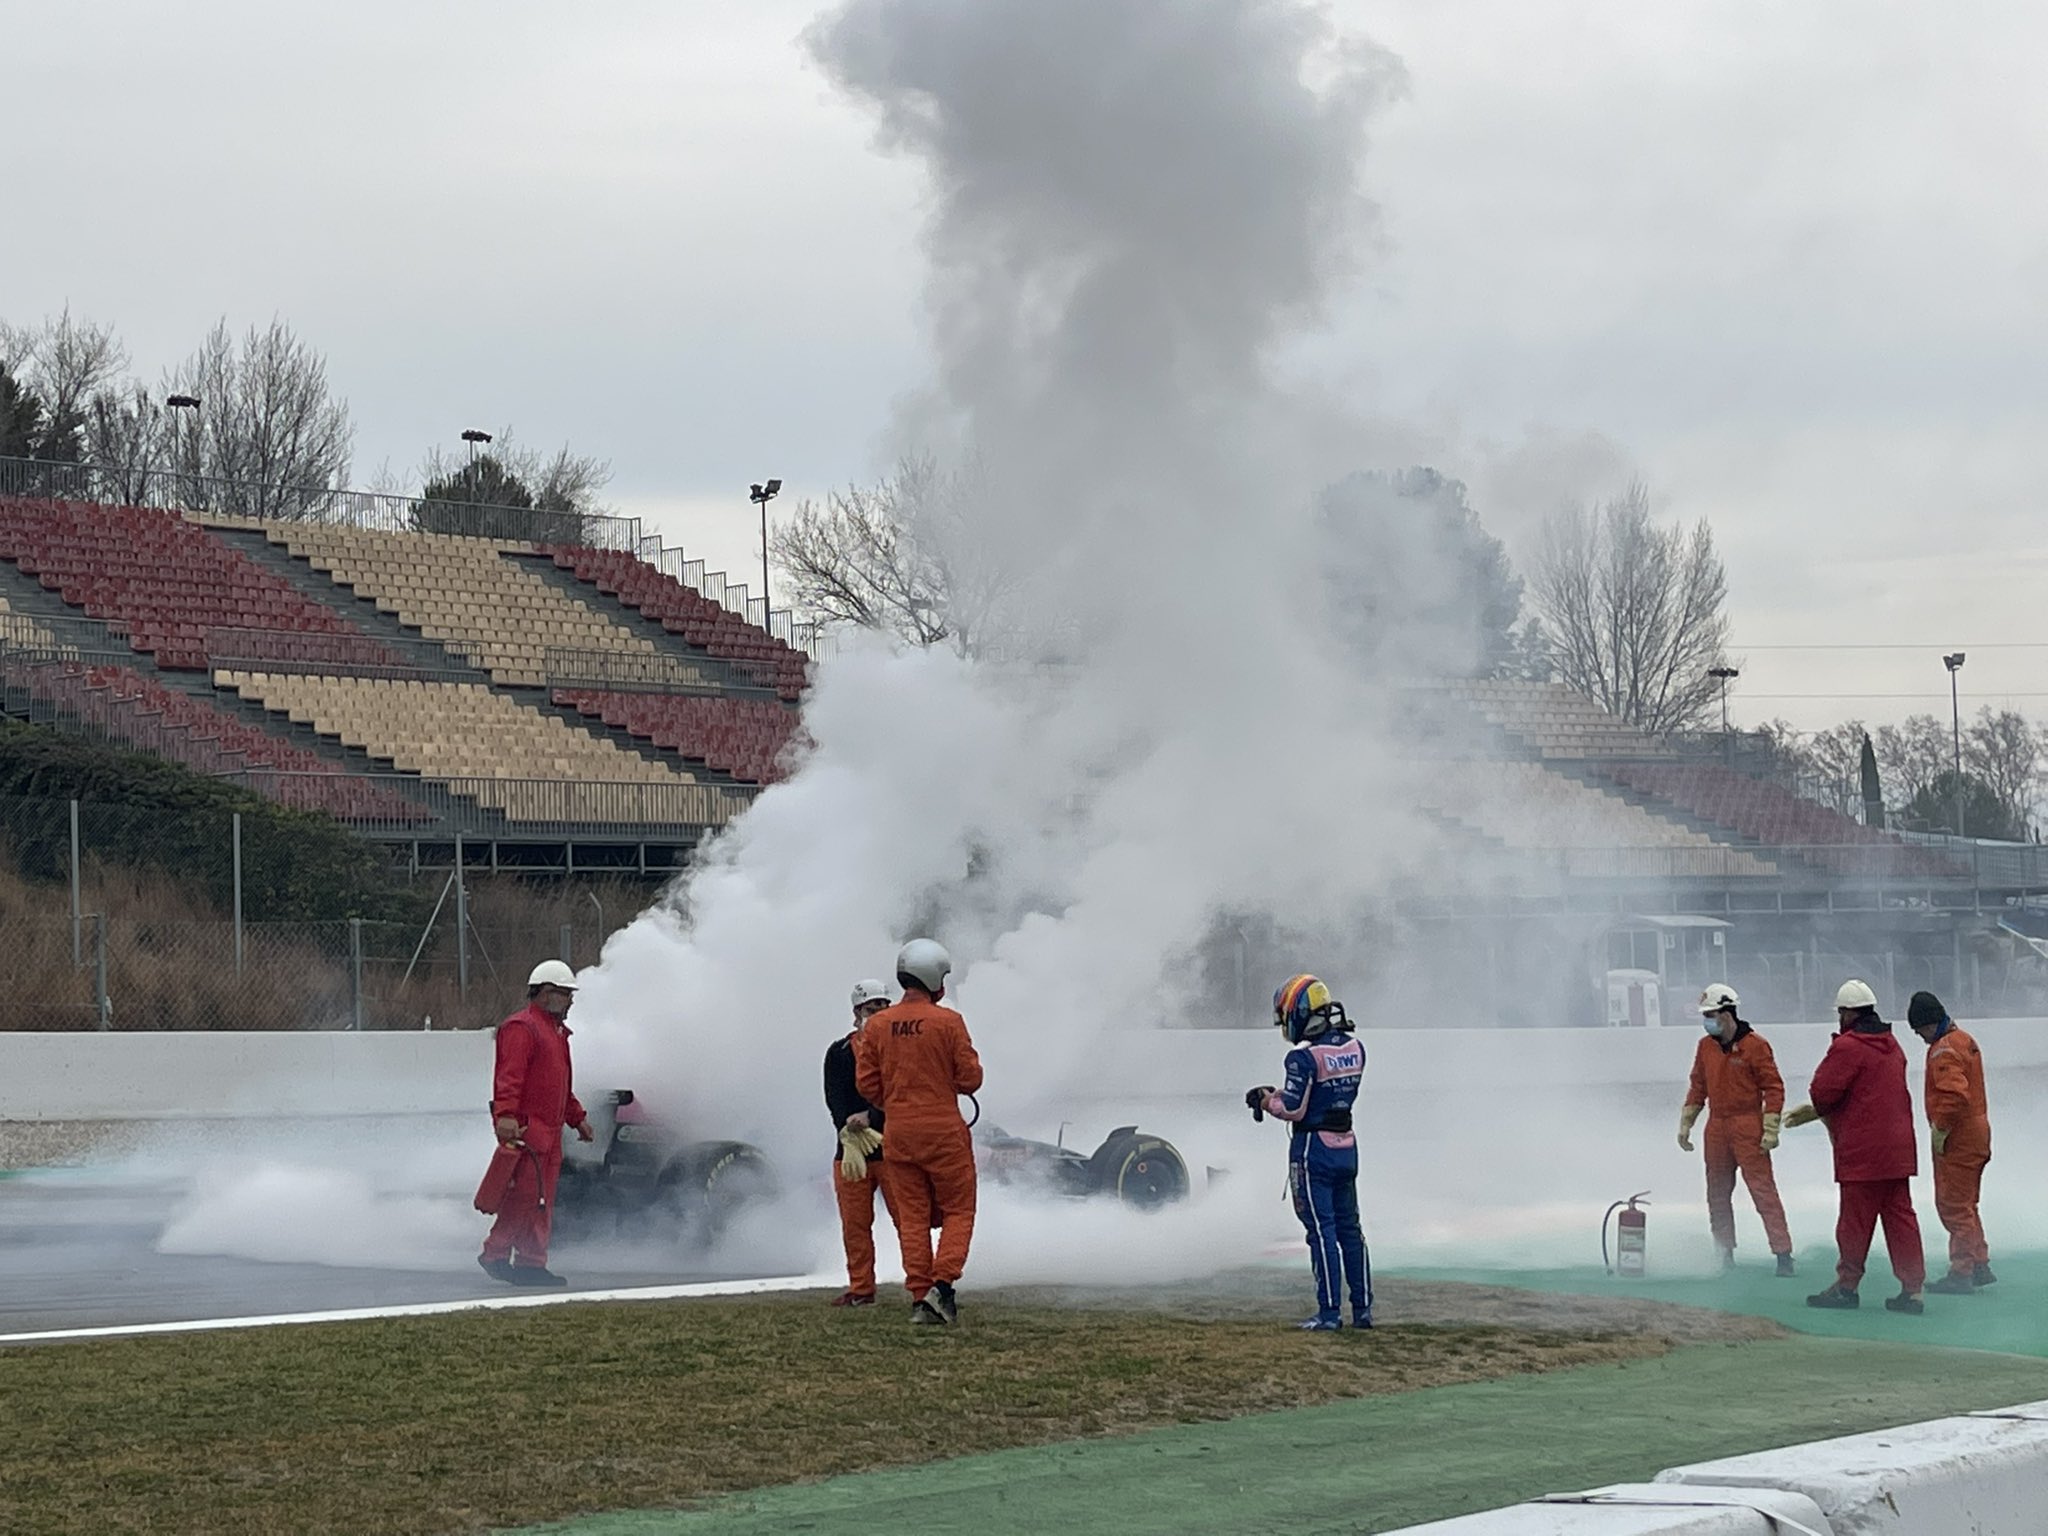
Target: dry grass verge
<point>468,1422</point>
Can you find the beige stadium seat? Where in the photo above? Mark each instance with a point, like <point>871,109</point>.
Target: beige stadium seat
<point>21,630</point>
<point>1556,722</point>
<point>463,732</point>
<point>1526,806</point>
<point>466,593</point>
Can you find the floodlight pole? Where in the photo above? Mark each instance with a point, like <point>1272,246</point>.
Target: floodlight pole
<point>1954,663</point>
<point>472,437</point>
<point>760,496</point>
<point>1725,674</point>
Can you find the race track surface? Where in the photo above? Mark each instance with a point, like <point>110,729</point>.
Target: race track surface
<point>77,1253</point>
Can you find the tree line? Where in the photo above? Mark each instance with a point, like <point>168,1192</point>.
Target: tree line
<point>1618,604</point>
<point>1904,776</point>
<point>250,425</point>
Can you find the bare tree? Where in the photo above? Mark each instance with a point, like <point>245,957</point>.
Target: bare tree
<point>127,440</point>
<point>1826,765</point>
<point>1911,756</point>
<point>1634,611</point>
<point>64,362</point>
<point>901,556</point>
<point>269,438</point>
<point>2006,751</point>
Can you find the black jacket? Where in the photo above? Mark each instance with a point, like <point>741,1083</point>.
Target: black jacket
<point>842,1098</point>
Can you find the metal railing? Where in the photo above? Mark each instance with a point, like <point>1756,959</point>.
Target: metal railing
<point>379,511</point>
<point>513,807</point>
<point>376,511</point>
<point>278,652</point>
<point>643,672</point>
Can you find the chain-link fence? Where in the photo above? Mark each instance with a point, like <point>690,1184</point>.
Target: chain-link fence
<point>133,917</point>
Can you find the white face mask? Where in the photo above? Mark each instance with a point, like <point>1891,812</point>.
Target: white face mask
<point>1712,1025</point>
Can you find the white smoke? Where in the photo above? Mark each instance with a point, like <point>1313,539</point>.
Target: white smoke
<point>1134,208</point>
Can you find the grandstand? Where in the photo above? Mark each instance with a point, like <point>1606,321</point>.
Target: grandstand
<point>536,695</point>
<point>549,706</point>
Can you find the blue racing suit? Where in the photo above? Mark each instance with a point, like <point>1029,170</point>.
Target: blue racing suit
<point>1323,1077</point>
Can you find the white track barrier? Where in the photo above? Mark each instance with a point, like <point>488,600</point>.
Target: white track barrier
<point>297,1073</point>
<point>151,1076</point>
<point>1981,1475</point>
<point>1646,1509</point>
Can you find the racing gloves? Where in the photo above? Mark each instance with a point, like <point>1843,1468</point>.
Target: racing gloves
<point>508,1130</point>
<point>1939,1136</point>
<point>1772,1125</point>
<point>1687,1117</point>
<point>1805,1114</point>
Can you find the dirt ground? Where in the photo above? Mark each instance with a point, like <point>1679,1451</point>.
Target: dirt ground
<point>1274,1293</point>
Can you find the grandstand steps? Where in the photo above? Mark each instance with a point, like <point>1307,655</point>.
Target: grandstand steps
<point>728,675</point>
<point>27,595</point>
<point>1803,863</point>
<point>543,699</point>
<point>1787,860</point>
<point>316,586</point>
<point>250,712</point>
<point>430,655</point>
<point>1590,775</point>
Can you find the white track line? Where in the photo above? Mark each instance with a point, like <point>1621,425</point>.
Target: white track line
<point>437,1308</point>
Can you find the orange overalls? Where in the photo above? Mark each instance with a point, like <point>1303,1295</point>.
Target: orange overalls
<point>1739,1084</point>
<point>1955,1103</point>
<point>914,1061</point>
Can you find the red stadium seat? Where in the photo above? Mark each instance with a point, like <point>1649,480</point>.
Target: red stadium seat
<point>1773,815</point>
<point>685,611</point>
<point>743,737</point>
<point>176,585</point>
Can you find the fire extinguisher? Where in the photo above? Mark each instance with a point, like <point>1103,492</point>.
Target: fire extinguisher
<point>1631,1236</point>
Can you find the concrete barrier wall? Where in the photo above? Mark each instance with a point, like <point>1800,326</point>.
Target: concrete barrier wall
<point>154,1076</point>
<point>1197,1061</point>
<point>1645,1509</point>
<point>185,1076</point>
<point>1984,1474</point>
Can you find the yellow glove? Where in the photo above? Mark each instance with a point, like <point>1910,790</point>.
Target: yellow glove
<point>1940,1139</point>
<point>856,1145</point>
<point>1687,1117</point>
<point>1805,1114</point>
<point>1772,1123</point>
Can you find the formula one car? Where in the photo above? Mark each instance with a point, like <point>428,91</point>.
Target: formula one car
<point>637,1178</point>
<point>1143,1171</point>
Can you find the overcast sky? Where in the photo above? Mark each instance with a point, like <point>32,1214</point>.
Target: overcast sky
<point>1789,264</point>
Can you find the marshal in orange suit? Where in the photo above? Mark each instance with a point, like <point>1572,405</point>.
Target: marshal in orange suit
<point>913,1061</point>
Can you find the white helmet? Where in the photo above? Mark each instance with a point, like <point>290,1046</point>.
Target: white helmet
<point>1855,994</point>
<point>865,992</point>
<point>925,962</point>
<point>552,973</point>
<point>1720,995</point>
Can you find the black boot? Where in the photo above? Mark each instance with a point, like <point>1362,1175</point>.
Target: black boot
<point>1836,1298</point>
<point>1785,1268</point>
<point>1905,1301</point>
<point>497,1269</point>
<point>942,1302</point>
<point>1953,1285</point>
<point>535,1274</point>
<point>1982,1276</point>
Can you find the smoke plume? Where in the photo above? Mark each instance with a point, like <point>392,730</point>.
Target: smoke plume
<point>1133,209</point>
